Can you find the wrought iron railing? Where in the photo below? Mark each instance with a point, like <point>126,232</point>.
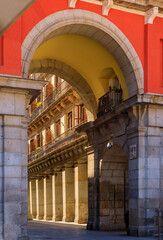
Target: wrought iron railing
<point>109,101</point>
<point>60,141</point>
<point>56,94</point>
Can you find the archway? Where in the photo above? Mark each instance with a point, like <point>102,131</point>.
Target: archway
<point>114,48</point>
<point>114,190</point>
<point>70,75</point>
<point>94,27</point>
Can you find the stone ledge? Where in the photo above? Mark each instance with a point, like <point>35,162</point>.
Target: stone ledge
<point>30,86</point>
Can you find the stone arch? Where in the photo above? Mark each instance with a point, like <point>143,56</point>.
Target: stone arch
<point>95,27</point>
<point>70,75</point>
<point>114,189</point>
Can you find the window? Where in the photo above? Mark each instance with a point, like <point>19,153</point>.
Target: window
<point>58,128</point>
<point>83,116</point>
<point>32,145</point>
<point>57,84</point>
<point>39,140</point>
<point>49,89</point>
<point>33,105</point>
<point>48,135</point>
<point>80,114</point>
<point>69,120</point>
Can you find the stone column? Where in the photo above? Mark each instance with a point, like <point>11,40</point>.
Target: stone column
<point>68,194</point>
<point>13,155</point>
<point>39,199</point>
<point>145,170</point>
<point>93,189</point>
<point>29,201</point>
<point>57,196</point>
<point>33,198</point>
<point>81,193</point>
<point>48,198</point>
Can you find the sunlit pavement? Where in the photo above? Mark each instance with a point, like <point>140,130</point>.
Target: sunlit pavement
<point>40,230</point>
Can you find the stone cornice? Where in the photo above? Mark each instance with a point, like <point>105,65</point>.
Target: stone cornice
<point>141,6</point>
<point>58,158</point>
<point>30,85</point>
<point>124,118</point>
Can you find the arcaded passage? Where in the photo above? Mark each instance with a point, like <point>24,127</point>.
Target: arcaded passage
<point>57,162</point>
<point>84,78</point>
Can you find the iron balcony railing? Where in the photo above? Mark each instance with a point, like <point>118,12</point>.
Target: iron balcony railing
<point>109,101</point>
<point>61,141</point>
<point>56,94</point>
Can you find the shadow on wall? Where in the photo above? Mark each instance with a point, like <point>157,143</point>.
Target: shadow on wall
<point>114,190</point>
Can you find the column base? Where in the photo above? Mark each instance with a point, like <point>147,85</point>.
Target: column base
<point>39,218</point>
<point>47,218</point>
<point>23,238</point>
<point>68,219</point>
<point>30,217</point>
<point>80,221</point>
<point>92,226</point>
<point>140,231</point>
<point>55,219</point>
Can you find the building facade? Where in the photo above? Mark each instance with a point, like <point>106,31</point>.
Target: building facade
<point>91,44</point>
<point>57,162</point>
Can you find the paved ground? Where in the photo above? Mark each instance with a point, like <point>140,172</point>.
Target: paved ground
<point>39,230</point>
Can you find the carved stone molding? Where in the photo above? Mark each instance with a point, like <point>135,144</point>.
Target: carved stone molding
<point>106,6</point>
<point>57,159</point>
<point>72,3</point>
<point>150,15</point>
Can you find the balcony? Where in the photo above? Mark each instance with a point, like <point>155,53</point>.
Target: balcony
<point>63,88</point>
<point>63,140</point>
<point>109,101</point>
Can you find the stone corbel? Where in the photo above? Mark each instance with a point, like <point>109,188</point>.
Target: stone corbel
<point>63,104</point>
<point>76,95</point>
<point>72,3</point>
<point>150,15</point>
<point>48,116</point>
<point>59,108</point>
<point>71,98</point>
<point>52,114</point>
<point>106,6</point>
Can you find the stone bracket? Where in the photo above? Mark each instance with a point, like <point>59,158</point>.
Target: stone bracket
<point>150,15</point>
<point>72,3</point>
<point>106,6</point>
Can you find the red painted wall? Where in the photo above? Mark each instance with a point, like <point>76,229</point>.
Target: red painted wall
<point>146,39</point>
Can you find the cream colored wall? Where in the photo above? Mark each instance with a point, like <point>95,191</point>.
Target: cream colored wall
<point>87,57</point>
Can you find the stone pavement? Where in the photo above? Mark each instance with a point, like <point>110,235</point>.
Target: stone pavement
<point>40,230</point>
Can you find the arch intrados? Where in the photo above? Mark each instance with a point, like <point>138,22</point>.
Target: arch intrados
<point>70,75</point>
<point>96,27</point>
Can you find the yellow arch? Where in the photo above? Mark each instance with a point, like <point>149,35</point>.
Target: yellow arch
<point>87,57</point>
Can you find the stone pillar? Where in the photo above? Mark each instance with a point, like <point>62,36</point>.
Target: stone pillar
<point>33,198</point>
<point>145,170</point>
<point>13,155</point>
<point>68,194</point>
<point>93,189</point>
<point>43,137</point>
<point>81,193</point>
<point>48,198</point>
<point>29,200</point>
<point>57,200</point>
<point>39,199</point>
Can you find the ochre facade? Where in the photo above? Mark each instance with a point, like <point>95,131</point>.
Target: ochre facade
<point>57,162</point>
